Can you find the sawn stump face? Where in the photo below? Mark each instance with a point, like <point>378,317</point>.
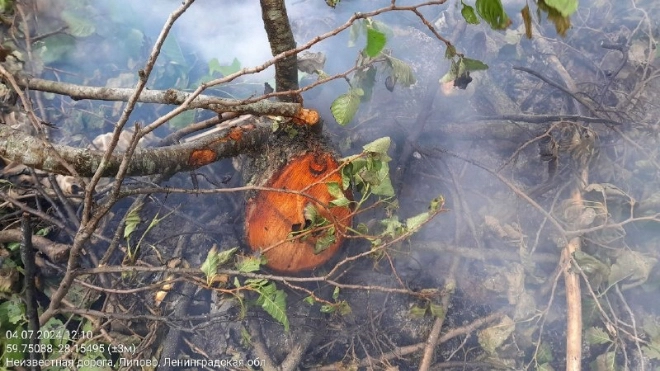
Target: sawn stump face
<point>271,216</point>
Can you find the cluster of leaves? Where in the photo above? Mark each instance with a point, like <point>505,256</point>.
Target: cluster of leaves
<point>371,57</point>
<point>340,307</point>
<point>318,226</point>
<point>398,72</point>
<point>609,273</point>
<point>109,27</point>
<point>175,72</point>
<point>368,173</point>
<point>596,335</point>
<point>271,299</point>
<point>493,13</point>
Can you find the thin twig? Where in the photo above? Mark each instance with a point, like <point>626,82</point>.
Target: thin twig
<point>27,256</point>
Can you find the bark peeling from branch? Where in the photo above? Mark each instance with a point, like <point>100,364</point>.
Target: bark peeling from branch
<point>35,153</point>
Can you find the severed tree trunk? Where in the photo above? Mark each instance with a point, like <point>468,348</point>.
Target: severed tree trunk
<point>295,228</point>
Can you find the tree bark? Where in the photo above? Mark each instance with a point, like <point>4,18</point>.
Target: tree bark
<point>36,153</point>
<point>280,37</point>
<point>169,96</point>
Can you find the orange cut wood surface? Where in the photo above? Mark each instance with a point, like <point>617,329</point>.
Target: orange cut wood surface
<point>271,216</point>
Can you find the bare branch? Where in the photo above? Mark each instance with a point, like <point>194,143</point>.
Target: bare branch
<point>169,96</point>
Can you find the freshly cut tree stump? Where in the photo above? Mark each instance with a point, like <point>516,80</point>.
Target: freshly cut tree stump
<point>295,226</point>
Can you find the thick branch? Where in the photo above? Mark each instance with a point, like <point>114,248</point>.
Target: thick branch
<point>56,252</point>
<point>169,96</point>
<point>33,152</point>
<point>280,37</point>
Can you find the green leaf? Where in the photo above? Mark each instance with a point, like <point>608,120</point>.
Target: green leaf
<point>596,335</point>
<point>452,74</point>
<point>417,221</point>
<point>311,213</point>
<point>13,246</point>
<point>344,308</point>
<point>375,42</point>
<point>468,14</point>
<point>210,265</point>
<point>234,67</point>
<point>56,48</point>
<point>332,3</point>
<point>335,191</point>
<point>436,204</point>
<point>273,301</point>
<point>346,175</point>
<point>56,326</point>
<point>381,26</point>
<point>362,228</point>
<point>327,308</point>
<point>249,264</point>
<point>380,145</point>
<point>214,66</point>
<point>403,73</point>
<point>493,337</point>
<point>215,260</point>
<point>12,311</point>
<point>43,232</point>
<point>182,120</point>
<point>565,7</point>
<point>78,24</point>
<point>345,107</point>
<point>6,5</point>
<point>450,52</point>
<point>393,227</point>
<point>354,33</point>
<point>325,241</point>
<point>604,362</point>
<point>385,187</point>
<point>365,80</point>
<point>309,300</point>
<point>596,270</point>
<point>335,293</point>
<point>437,310</point>
<point>132,221</point>
<point>417,312</point>
<point>562,22</point>
<point>652,350</point>
<point>172,51</point>
<point>17,341</point>
<point>544,355</point>
<point>493,13</point>
<point>340,202</point>
<point>133,42</point>
<point>632,267</point>
<point>474,65</point>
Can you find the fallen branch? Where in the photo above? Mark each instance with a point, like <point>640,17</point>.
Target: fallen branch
<point>36,153</point>
<point>169,96</point>
<point>56,252</point>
